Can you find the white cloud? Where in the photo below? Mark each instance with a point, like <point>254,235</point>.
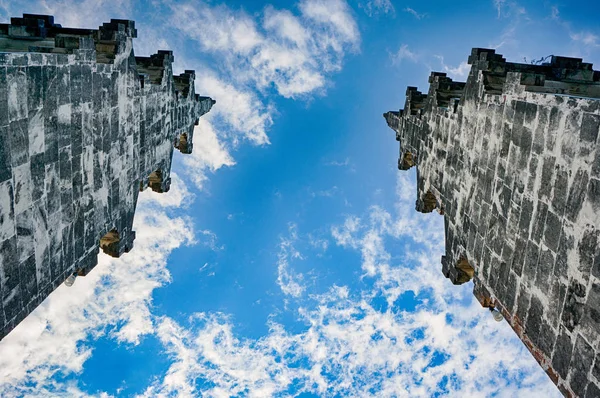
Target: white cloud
<point>509,9</point>
<point>403,53</point>
<point>343,163</point>
<point>209,154</point>
<point>458,73</point>
<point>351,349</point>
<point>374,7</point>
<point>326,193</point>
<point>289,52</point>
<point>178,195</point>
<point>289,281</point>
<point>415,13</point>
<point>499,4</point>
<point>77,13</point>
<point>587,38</point>
<point>237,111</point>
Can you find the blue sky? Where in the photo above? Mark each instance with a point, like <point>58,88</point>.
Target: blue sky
<point>287,259</point>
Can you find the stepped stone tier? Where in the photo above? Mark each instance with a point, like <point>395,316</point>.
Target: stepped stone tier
<point>511,158</point>
<point>84,127</point>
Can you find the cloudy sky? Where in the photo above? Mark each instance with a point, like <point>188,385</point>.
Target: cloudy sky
<point>287,259</point>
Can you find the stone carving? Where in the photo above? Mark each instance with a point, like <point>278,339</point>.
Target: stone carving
<point>84,126</point>
<point>513,156</point>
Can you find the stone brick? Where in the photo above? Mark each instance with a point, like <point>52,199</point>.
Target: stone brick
<point>589,128</point>
<point>577,194</point>
<point>593,196</point>
<point>573,308</point>
<point>596,368</point>
<point>5,156</point>
<point>545,270</point>
<point>561,359</point>
<point>581,362</point>
<point>545,339</point>
<point>561,266</point>
<point>523,303</point>
<point>539,222</point>
<point>547,174</point>
<point>530,263</point>
<point>7,214</point>
<point>592,391</point>
<point>560,191</point>
<point>552,231</point>
<point>592,307</point>
<point>533,323</point>
<point>588,249</point>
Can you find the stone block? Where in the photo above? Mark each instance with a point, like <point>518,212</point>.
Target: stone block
<point>523,301</point>
<point>561,358</point>
<point>545,339</point>
<point>10,268</point>
<point>7,215</point>
<point>5,155</point>
<point>591,317</point>
<point>540,130</point>
<point>506,139</point>
<point>19,142</point>
<point>4,120</point>
<point>52,187</point>
<point>51,138</point>
<point>556,300</point>
<point>588,248</point>
<point>530,263</point>
<point>533,323</point>
<point>28,279</point>
<point>539,221</point>
<point>593,195</point>
<point>544,270</point>
<point>25,229</point>
<point>518,120</point>
<point>581,362</point>
<point>596,367</point>
<point>592,391</point>
<point>510,295</point>
<point>518,260</point>
<point>547,174</point>
<point>573,308</point>
<point>589,128</point>
<point>22,187</point>
<point>16,79</point>
<point>552,231</point>
<point>35,86</point>
<point>596,164</point>
<point>38,172</point>
<point>556,115</point>
<point>577,193</point>
<point>560,190</point>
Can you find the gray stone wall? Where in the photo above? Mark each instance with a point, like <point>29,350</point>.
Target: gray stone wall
<point>511,158</point>
<point>84,126</point>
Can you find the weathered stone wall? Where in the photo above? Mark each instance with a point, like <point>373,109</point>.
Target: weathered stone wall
<point>511,158</point>
<point>84,126</point>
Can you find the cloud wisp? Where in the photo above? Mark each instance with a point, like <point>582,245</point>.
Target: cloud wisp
<point>403,53</point>
<point>414,13</point>
<point>376,7</point>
